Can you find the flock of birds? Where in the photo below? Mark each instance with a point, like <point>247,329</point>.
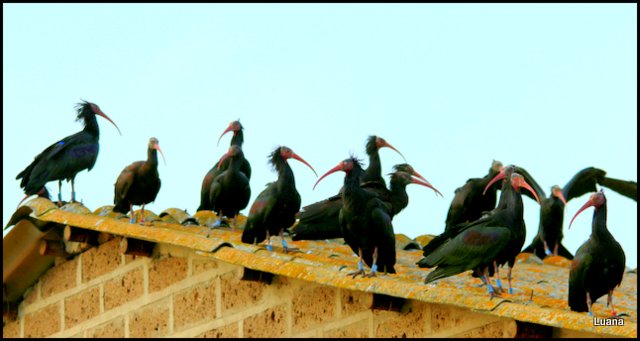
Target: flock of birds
<point>480,234</point>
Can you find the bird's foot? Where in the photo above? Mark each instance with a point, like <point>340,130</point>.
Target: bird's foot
<point>492,292</point>
<point>141,221</point>
<point>590,313</point>
<point>132,220</point>
<point>356,273</point>
<point>547,251</point>
<point>270,248</point>
<point>291,249</point>
<point>374,269</point>
<point>614,314</point>
<point>511,291</point>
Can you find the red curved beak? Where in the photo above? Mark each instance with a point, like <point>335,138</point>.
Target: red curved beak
<point>157,147</point>
<point>297,157</point>
<point>523,184</point>
<point>584,207</point>
<point>388,145</point>
<point>229,128</point>
<point>99,112</point>
<point>224,157</point>
<point>332,170</point>
<point>499,176</point>
<point>424,182</point>
<point>416,174</point>
<point>561,197</point>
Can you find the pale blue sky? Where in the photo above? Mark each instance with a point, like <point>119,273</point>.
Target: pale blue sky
<point>549,87</point>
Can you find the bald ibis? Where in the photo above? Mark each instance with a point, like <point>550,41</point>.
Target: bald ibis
<point>67,157</point>
<point>320,220</point>
<point>276,206</point>
<point>138,183</point>
<point>599,263</point>
<point>237,140</point>
<point>230,192</point>
<point>365,221</point>
<point>550,233</point>
<point>477,245</point>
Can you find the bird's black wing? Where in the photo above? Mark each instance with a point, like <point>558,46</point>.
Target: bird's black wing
<point>627,188</point>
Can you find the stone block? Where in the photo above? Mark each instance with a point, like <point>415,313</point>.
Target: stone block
<point>390,324</point>
<point>200,265</point>
<point>353,301</point>
<point>237,293</point>
<point>81,307</point>
<point>101,260</point>
<point>32,294</point>
<point>270,323</point>
<point>43,322</point>
<point>313,306</point>
<point>123,289</point>
<point>228,331</point>
<point>445,317</point>
<point>111,329</point>
<point>500,329</point>
<point>195,304</point>
<point>60,278</point>
<point>11,329</point>
<point>150,321</point>
<point>166,271</point>
<point>358,329</point>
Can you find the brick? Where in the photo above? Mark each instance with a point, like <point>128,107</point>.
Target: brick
<point>313,306</point>
<point>194,305</point>
<point>353,301</point>
<point>228,331</point>
<point>60,278</point>
<point>358,329</point>
<point>269,323</point>
<point>237,293</point>
<point>200,265</point>
<point>32,294</point>
<point>43,322</point>
<point>394,324</point>
<point>150,321</point>
<point>111,329</point>
<point>101,260</point>
<point>445,317</point>
<point>499,329</point>
<point>123,289</point>
<point>166,271</point>
<point>11,329</point>
<point>81,307</point>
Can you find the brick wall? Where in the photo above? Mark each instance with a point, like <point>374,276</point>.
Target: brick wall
<point>102,293</point>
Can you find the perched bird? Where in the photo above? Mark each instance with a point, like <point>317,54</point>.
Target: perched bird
<point>276,206</point>
<point>599,263</point>
<point>320,220</point>
<point>550,233</point>
<point>485,243</point>
<point>67,157</point>
<point>365,221</point>
<point>217,169</point>
<point>138,183</point>
<point>230,192</point>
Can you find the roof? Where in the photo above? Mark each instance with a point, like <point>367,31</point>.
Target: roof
<point>541,287</point>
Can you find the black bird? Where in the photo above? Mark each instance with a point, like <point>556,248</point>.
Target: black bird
<point>550,233</point>
<point>486,243</point>
<point>276,206</point>
<point>365,221</point>
<point>67,157</point>
<point>598,266</point>
<point>320,220</point>
<point>138,183</point>
<point>230,191</point>
<point>237,140</point>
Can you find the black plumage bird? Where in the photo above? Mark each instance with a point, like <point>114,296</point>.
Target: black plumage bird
<point>138,183</point>
<point>550,234</point>
<point>598,266</point>
<point>64,159</point>
<point>276,206</point>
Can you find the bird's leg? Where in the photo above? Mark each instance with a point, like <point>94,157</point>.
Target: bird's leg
<point>142,215</point>
<point>132,216</point>
<point>59,193</point>
<point>218,222</point>
<point>360,266</point>
<point>481,276</point>
<point>233,227</point>
<point>73,189</point>
<point>498,282</point>
<point>284,243</point>
<point>610,302</point>
<point>509,278</point>
<point>546,248</point>
<point>492,292</point>
<point>589,304</point>
<point>269,247</point>
<point>555,249</point>
<point>374,266</point>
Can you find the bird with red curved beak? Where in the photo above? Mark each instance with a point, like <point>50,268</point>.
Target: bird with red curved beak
<point>138,183</point>
<point>599,264</point>
<point>276,206</point>
<point>230,191</point>
<point>365,221</point>
<point>217,169</point>
<point>67,157</point>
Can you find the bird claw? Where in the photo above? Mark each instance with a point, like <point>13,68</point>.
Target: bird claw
<point>547,252</point>
<point>356,273</point>
<point>132,220</point>
<point>291,249</point>
<point>369,275</point>
<point>511,291</point>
